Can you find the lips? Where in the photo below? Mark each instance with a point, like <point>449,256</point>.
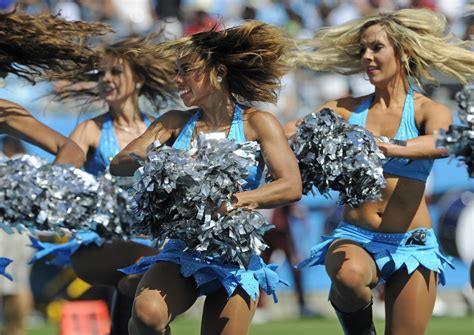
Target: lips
<point>183,92</point>
<point>107,89</point>
<point>372,69</point>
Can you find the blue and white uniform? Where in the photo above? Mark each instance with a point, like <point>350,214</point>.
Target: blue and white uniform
<point>391,251</point>
<point>211,274</point>
<point>99,162</point>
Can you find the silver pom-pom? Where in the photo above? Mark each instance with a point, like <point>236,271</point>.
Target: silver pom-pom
<point>44,196</point>
<point>113,215</point>
<point>39,196</point>
<point>334,155</point>
<point>459,140</point>
<point>178,195</point>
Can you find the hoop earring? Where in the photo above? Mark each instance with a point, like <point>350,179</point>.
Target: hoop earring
<point>219,79</point>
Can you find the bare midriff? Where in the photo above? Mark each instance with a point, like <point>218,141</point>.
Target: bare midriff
<point>402,208</point>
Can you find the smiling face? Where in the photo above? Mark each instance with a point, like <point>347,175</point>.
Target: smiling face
<point>194,85</point>
<point>378,56</point>
<point>116,80</point>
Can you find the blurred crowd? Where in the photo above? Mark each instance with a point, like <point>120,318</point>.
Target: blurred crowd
<point>300,18</point>
<point>302,90</point>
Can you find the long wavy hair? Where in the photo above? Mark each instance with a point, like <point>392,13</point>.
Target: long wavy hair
<point>419,34</point>
<point>156,69</point>
<point>46,47</point>
<point>254,53</point>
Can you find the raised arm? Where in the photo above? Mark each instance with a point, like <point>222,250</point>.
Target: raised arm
<point>17,122</point>
<point>433,117</point>
<point>286,185</point>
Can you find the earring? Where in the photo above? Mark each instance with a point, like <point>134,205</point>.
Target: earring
<point>138,86</point>
<point>219,79</point>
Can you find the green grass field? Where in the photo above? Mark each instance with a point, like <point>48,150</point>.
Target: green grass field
<point>438,326</point>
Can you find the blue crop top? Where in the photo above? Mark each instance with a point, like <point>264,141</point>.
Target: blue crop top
<point>418,169</point>
<point>236,132</point>
<point>108,147</point>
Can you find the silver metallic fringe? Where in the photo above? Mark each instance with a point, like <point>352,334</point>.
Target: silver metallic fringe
<point>178,195</point>
<point>334,155</point>
<point>459,139</point>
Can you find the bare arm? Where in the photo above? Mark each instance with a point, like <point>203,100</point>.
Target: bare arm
<point>335,105</point>
<point>283,166</point>
<point>83,135</point>
<point>434,117</point>
<point>17,122</point>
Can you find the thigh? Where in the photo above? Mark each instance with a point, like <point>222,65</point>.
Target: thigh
<point>409,295</point>
<point>98,265</point>
<point>346,257</point>
<point>227,316</point>
<point>164,292</point>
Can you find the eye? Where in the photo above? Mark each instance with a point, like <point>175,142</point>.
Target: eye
<point>116,72</point>
<point>362,50</point>
<point>377,47</point>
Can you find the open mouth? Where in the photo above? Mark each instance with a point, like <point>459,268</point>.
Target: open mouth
<point>184,92</point>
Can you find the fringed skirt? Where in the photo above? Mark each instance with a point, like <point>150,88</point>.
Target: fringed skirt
<point>391,251</point>
<point>210,274</point>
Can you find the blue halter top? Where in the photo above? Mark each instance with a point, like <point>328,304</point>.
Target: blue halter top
<point>418,169</point>
<point>236,132</point>
<point>108,147</point>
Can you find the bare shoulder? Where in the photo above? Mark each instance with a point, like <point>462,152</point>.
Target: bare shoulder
<point>427,105</point>
<point>260,122</point>
<point>173,119</point>
<point>91,125</point>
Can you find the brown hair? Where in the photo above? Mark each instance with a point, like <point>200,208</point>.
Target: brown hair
<point>45,46</point>
<point>156,69</point>
<point>254,53</point>
<point>420,34</point>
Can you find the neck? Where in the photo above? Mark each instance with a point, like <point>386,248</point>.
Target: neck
<point>393,92</point>
<point>218,110</point>
<point>125,113</point>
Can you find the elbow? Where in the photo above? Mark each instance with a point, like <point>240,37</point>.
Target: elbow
<point>293,190</point>
<point>114,167</point>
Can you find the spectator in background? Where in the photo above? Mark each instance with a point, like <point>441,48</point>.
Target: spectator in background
<point>281,238</point>
<point>199,20</point>
<point>16,296</point>
<point>167,14</point>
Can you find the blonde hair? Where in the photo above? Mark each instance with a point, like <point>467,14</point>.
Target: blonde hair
<point>254,53</point>
<point>45,46</point>
<point>420,34</point>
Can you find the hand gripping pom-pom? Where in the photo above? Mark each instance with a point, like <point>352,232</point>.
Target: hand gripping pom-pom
<point>178,195</point>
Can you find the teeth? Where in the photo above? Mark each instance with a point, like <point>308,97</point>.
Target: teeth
<point>184,91</point>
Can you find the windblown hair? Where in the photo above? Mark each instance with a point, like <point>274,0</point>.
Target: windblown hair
<point>156,69</point>
<point>254,53</point>
<point>420,34</point>
<point>45,46</point>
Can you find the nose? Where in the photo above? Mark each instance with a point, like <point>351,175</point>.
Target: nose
<point>106,76</point>
<point>178,79</point>
<point>367,54</point>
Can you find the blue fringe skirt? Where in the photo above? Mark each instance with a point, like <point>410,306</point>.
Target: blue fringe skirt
<point>60,254</point>
<point>3,264</point>
<point>210,274</point>
<point>391,251</point>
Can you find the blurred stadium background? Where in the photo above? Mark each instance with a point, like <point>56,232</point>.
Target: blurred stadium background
<point>449,190</point>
